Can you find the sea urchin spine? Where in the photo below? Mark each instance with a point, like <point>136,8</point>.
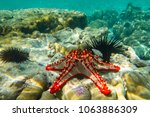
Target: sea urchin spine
<point>105,46</point>
<point>13,54</point>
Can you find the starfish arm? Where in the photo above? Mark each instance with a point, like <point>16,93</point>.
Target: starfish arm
<point>63,77</point>
<point>56,66</point>
<point>103,66</point>
<point>97,79</point>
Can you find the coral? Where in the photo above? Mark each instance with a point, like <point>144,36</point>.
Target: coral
<point>4,29</point>
<point>131,26</point>
<point>108,16</point>
<point>117,30</point>
<point>80,63</point>
<point>105,46</point>
<point>98,24</point>
<point>111,17</point>
<point>59,48</point>
<point>138,40</point>
<point>96,15</point>
<point>45,24</point>
<point>13,54</point>
<point>50,34</point>
<point>143,25</point>
<point>131,12</point>
<point>42,20</point>
<point>76,21</point>
<point>128,29</point>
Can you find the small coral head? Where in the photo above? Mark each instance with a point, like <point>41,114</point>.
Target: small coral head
<point>13,54</point>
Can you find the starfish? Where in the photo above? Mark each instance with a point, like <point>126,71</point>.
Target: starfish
<point>83,63</point>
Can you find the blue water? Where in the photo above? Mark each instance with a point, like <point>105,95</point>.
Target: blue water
<point>87,6</point>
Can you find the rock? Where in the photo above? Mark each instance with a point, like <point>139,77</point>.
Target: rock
<point>30,93</point>
<point>138,84</point>
<point>97,95</point>
<point>139,63</point>
<point>85,90</point>
<point>42,20</point>
<point>120,88</point>
<point>11,87</point>
<point>46,95</point>
<point>108,16</point>
<point>73,90</point>
<point>131,13</point>
<point>22,87</point>
<point>117,30</point>
<point>68,39</point>
<point>98,24</point>
<point>39,80</point>
<point>131,26</point>
<point>34,87</point>
<point>17,85</point>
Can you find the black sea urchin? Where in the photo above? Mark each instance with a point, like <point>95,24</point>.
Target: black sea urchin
<point>105,46</point>
<point>13,54</point>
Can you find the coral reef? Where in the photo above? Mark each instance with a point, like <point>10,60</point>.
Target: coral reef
<point>110,17</point>
<point>42,20</point>
<point>131,26</point>
<point>48,35</point>
<point>131,12</point>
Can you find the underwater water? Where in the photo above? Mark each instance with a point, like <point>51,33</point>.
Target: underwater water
<point>87,6</point>
<point>75,49</point>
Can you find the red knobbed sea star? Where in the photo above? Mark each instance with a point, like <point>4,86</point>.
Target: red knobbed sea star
<point>81,62</point>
